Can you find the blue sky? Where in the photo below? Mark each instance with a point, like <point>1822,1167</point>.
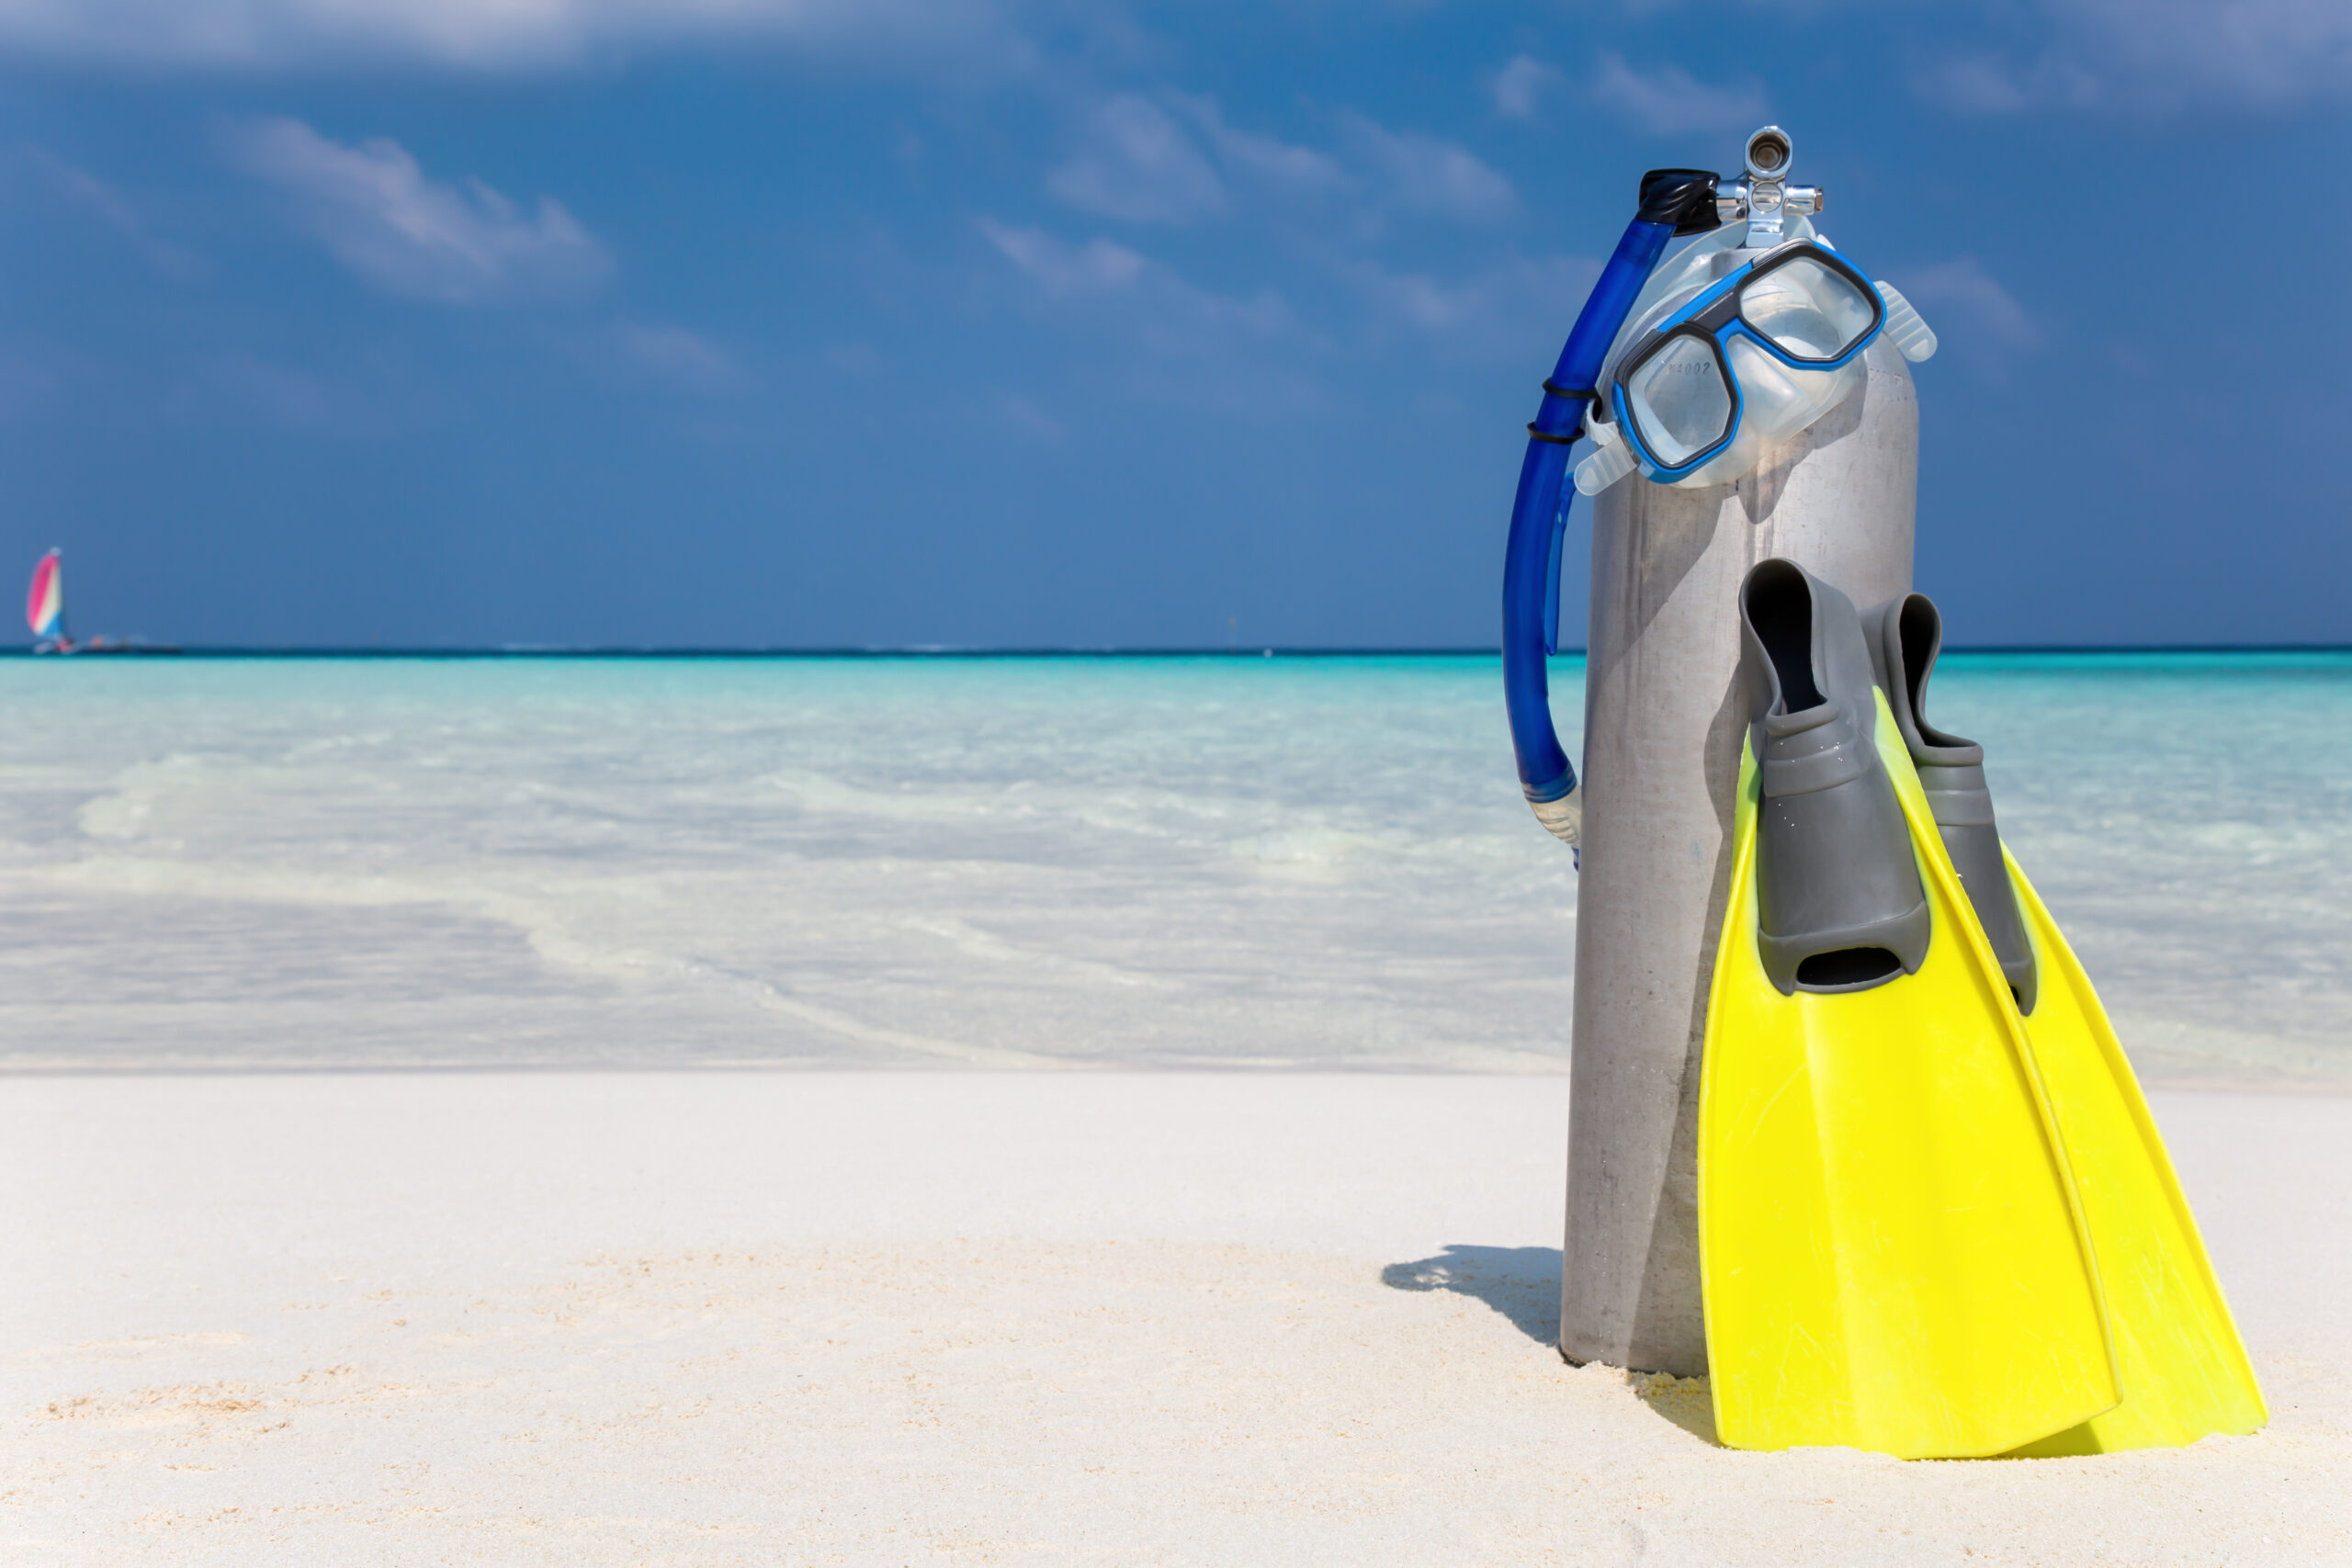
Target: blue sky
<point>819,323</point>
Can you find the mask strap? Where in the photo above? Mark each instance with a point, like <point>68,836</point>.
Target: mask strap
<point>1903,328</point>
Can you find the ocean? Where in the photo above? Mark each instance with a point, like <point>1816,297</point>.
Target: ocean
<point>1286,862</point>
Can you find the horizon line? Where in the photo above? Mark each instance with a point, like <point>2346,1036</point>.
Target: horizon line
<point>941,650</point>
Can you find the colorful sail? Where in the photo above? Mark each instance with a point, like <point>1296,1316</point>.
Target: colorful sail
<point>45,605</point>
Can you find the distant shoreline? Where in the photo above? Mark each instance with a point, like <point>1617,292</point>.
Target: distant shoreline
<point>2330,652</point>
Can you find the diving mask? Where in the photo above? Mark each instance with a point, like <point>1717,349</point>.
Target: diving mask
<point>1706,382</point>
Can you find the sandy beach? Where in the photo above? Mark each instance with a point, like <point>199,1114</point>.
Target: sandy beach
<point>765,795</point>
<point>935,1316</point>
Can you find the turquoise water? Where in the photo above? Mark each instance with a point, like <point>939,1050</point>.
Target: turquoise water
<point>1211,861</point>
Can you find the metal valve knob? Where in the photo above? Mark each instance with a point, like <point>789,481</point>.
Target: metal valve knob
<point>1763,195</point>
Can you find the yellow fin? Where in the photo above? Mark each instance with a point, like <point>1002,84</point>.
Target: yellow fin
<point>2184,1371</point>
<point>1890,1248</point>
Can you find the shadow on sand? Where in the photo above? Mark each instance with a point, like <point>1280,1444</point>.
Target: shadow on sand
<point>1520,1282</point>
<point>1523,1283</point>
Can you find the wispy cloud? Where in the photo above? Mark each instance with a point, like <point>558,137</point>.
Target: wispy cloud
<point>83,190</point>
<point>1025,417</point>
<point>1102,269</point>
<point>1173,158</point>
<point>1979,85</point>
<point>1252,153</point>
<point>1965,287</point>
<point>1519,88</point>
<point>1065,271</point>
<point>1670,100</point>
<point>1491,315</point>
<point>684,360</point>
<point>1973,313</point>
<point>365,396</point>
<point>977,38</point>
<point>1139,165</point>
<point>277,394</point>
<point>1182,342</point>
<point>380,216</point>
<point>2158,56</point>
<point>1429,175</point>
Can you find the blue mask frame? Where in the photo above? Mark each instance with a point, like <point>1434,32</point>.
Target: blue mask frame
<point>1714,317</point>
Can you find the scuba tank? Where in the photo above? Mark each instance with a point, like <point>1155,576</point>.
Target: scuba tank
<point>1665,713</point>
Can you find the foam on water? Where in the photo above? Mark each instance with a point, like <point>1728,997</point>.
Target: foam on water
<point>1018,861</point>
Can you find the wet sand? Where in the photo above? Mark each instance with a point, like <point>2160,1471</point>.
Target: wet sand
<point>1010,1317</point>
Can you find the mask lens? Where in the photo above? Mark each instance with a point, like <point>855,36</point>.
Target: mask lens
<point>1678,401</point>
<point>1809,310</point>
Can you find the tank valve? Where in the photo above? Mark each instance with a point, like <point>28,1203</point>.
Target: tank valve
<point>1762,195</point>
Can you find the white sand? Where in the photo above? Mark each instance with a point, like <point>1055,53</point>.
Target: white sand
<point>917,1318</point>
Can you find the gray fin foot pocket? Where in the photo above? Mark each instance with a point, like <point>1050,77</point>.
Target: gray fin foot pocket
<point>1906,634</point>
<point>1840,905</point>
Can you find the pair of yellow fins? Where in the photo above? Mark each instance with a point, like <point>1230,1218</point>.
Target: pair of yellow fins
<point>1936,1219</point>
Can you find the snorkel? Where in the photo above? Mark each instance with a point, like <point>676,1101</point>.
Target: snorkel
<point>1726,358</point>
<point>1673,201</point>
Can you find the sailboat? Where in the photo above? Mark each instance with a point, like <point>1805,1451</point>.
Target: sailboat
<point>45,612</point>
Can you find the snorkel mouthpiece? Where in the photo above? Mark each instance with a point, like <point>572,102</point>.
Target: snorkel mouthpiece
<point>1684,197</point>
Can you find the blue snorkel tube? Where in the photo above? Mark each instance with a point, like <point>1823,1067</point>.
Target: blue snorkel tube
<point>1674,202</point>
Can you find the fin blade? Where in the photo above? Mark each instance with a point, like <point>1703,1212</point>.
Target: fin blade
<point>1889,1251</point>
<point>2184,1369</point>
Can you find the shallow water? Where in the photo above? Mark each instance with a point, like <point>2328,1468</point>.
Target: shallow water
<point>1215,861</point>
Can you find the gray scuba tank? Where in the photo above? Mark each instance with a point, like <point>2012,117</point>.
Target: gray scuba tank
<point>1664,710</point>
